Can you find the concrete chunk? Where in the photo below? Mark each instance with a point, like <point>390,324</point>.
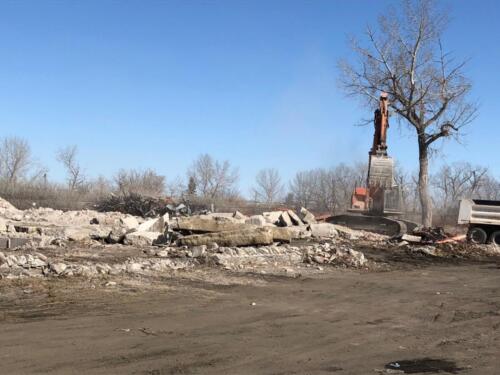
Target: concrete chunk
<point>307,217</point>
<point>141,238</point>
<point>239,216</point>
<point>129,222</point>
<point>3,225</point>
<point>295,218</point>
<point>323,230</point>
<point>58,268</point>
<point>285,220</point>
<point>152,225</point>
<point>206,224</point>
<point>245,237</point>
<point>272,217</point>
<point>411,238</point>
<point>281,234</point>
<point>299,232</point>
<point>257,220</point>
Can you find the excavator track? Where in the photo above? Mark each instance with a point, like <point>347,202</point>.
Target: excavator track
<point>377,224</point>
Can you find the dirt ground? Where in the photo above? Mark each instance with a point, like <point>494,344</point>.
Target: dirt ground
<point>415,318</point>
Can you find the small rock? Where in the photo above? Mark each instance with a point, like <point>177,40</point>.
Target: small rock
<point>41,256</point>
<point>58,268</point>
<point>319,259</point>
<point>213,246</point>
<point>141,238</point>
<point>162,253</point>
<point>116,235</point>
<point>198,251</point>
<point>134,267</point>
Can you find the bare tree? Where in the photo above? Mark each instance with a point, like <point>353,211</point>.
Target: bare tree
<point>15,159</point>
<point>176,187</point>
<point>67,156</point>
<point>302,188</point>
<point>100,187</point>
<point>146,182</point>
<point>403,181</point>
<point>213,178</point>
<point>490,188</point>
<point>456,181</point>
<point>427,88</point>
<point>327,189</point>
<point>268,187</point>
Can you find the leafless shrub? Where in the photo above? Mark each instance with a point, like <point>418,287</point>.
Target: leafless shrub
<point>147,182</point>
<point>133,204</point>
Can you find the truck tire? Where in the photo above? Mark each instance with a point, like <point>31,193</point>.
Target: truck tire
<point>495,238</point>
<point>477,235</point>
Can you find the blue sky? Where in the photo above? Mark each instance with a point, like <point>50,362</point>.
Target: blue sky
<point>139,84</point>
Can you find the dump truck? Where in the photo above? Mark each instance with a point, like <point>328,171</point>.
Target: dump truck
<point>482,218</point>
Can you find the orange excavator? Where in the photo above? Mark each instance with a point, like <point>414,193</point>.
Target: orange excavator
<point>377,206</point>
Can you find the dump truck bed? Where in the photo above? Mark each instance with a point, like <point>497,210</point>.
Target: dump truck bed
<point>477,211</point>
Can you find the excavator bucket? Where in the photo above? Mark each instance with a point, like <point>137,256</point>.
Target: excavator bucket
<point>381,172</point>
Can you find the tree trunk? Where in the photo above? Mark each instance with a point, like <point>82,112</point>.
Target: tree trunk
<point>423,182</point>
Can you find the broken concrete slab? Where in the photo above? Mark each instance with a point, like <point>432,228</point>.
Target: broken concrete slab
<point>295,218</point>
<point>272,217</point>
<point>348,233</point>
<point>411,238</point>
<point>306,216</point>
<point>257,220</point>
<point>15,242</point>
<point>239,216</point>
<point>299,232</point>
<point>285,220</point>
<point>142,238</point>
<point>129,222</point>
<point>206,224</point>
<point>281,234</point>
<point>323,230</point>
<point>152,225</point>
<point>242,237</point>
<point>3,225</point>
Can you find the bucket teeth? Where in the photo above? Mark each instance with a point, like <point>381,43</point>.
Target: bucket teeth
<point>381,172</point>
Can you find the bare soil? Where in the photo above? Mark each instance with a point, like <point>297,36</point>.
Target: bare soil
<point>417,317</point>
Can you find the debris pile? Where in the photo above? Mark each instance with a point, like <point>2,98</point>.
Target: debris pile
<point>330,254</point>
<point>42,242</point>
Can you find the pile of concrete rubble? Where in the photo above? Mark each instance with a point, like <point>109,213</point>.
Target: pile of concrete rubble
<point>45,226</point>
<point>231,240</point>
